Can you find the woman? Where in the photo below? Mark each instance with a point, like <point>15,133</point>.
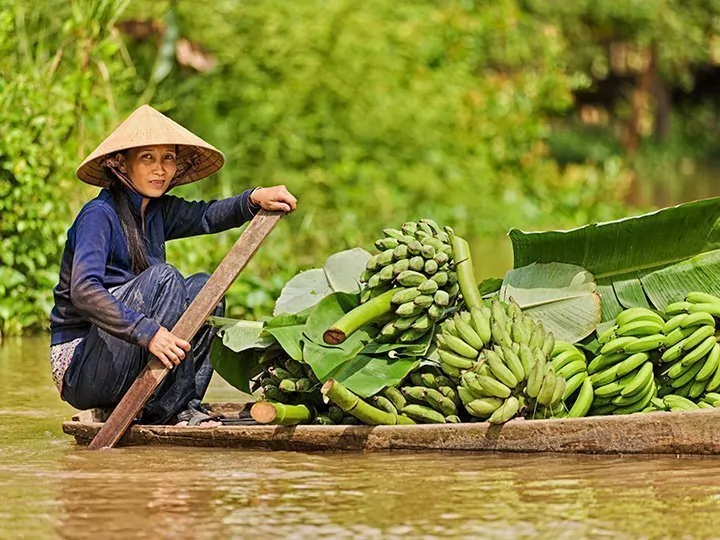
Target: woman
<point>117,297</point>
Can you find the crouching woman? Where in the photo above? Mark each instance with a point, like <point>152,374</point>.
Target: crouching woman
<point>117,298</point>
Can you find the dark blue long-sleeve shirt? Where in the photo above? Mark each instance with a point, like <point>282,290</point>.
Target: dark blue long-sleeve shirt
<point>96,258</point>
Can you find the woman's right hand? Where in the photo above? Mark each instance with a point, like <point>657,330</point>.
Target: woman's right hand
<point>168,348</point>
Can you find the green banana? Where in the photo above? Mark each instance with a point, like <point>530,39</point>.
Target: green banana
<point>527,358</point>
<point>673,323</point>
<point>423,414</point>
<point>410,278</point>
<point>631,363</point>
<point>547,389</point>
<point>562,346</point>
<point>710,308</point>
<point>711,364</point>
<point>640,328</point>
<point>700,351</point>
<point>483,407</point>
<point>493,386</point>
<point>677,335</point>
<point>428,287</point>
<point>440,403</point>
<point>465,395</point>
<point>697,389</point>
<point>567,357</point>
<point>537,337</point>
<point>450,371</point>
<point>500,370</point>
<point>460,347</point>
<point>395,396</point>
<point>455,360</point>
<point>679,403</point>
<point>468,333</point>
<point>638,314</point>
<point>470,383</point>
<point>408,309</point>
<point>674,352</point>
<point>571,368</point>
<point>549,343</point>
<point>481,323</point>
<point>424,301</point>
<point>584,400</point>
<point>560,385</point>
<point>606,376</point>
<point>614,388</point>
<point>431,267</point>
<point>639,405</point>
<point>608,335</point>
<point>416,264</point>
<point>697,337</point>
<point>700,318</point>
<point>534,380</point>
<point>384,404</point>
<point>573,383</point>
<point>644,344</point>
<point>644,374</point>
<point>513,362</point>
<point>714,382</point>
<point>435,312</point>
<point>617,345</point>
<point>405,295</point>
<point>423,322</point>
<point>414,393</point>
<point>518,333</point>
<point>506,411</point>
<point>498,313</point>
<point>677,307</point>
<point>403,323</point>
<point>603,361</point>
<point>697,297</point>
<point>687,377</point>
<point>441,298</point>
<point>638,395</point>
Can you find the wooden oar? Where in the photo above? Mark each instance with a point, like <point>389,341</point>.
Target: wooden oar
<point>188,325</point>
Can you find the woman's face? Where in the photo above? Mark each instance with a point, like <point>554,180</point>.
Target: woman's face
<point>150,168</point>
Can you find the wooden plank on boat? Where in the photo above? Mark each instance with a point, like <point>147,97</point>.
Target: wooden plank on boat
<point>693,432</point>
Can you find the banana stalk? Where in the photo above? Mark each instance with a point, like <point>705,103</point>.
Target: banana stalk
<point>466,273</point>
<point>353,405</point>
<point>267,412</point>
<point>359,317</point>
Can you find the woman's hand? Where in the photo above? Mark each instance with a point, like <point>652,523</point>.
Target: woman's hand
<point>168,348</point>
<point>274,198</point>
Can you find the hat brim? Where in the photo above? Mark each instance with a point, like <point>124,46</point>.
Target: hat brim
<point>197,159</point>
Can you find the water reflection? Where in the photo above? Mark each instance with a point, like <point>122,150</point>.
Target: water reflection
<point>51,488</point>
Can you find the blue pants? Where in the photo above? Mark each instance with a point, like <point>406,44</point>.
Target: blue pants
<point>104,367</point>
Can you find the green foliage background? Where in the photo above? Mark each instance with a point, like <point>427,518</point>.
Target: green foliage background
<point>372,113</point>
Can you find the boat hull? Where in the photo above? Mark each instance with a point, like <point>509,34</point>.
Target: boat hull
<point>693,432</point>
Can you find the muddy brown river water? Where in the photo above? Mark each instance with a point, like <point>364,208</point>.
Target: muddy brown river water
<point>50,488</point>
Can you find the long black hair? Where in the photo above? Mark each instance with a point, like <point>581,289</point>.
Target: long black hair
<point>139,258</point>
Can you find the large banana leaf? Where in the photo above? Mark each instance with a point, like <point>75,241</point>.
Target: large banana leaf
<point>652,259</point>
<point>562,296</point>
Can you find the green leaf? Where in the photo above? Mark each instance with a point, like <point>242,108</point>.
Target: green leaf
<point>489,286</point>
<point>367,375</point>
<point>656,257</point>
<point>243,335</point>
<point>340,273</point>
<point>562,296</point>
<point>287,329</point>
<point>236,368</point>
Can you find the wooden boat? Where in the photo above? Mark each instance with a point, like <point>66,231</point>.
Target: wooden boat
<point>694,432</point>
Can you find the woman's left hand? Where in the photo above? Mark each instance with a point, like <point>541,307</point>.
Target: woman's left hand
<point>274,198</point>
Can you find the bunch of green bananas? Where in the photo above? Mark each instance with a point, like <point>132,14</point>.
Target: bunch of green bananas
<point>691,357</point>
<point>427,396</point>
<point>418,259</point>
<point>334,416</point>
<point>500,358</point>
<point>622,374</point>
<point>288,381</point>
<point>569,362</point>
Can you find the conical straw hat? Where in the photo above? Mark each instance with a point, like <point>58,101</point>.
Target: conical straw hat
<point>146,127</point>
